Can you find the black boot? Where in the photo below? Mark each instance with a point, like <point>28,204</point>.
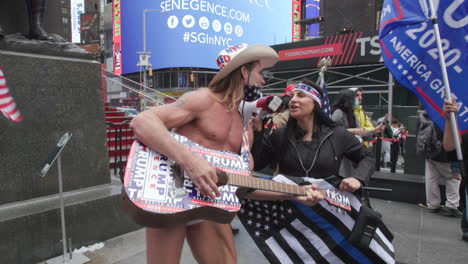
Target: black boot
<point>36,10</point>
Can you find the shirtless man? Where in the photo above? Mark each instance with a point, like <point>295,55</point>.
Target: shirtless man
<point>210,118</point>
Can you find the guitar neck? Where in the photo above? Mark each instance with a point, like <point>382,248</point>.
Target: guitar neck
<point>333,197</point>
<point>261,184</point>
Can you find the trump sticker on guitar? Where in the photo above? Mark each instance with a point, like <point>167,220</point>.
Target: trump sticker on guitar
<point>155,184</point>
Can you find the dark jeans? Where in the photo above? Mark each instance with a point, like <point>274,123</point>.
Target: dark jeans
<point>377,149</point>
<point>393,156</point>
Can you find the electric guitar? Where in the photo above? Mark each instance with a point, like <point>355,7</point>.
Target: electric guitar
<point>157,193</point>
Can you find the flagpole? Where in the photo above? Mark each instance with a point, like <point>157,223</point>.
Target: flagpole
<point>448,94</point>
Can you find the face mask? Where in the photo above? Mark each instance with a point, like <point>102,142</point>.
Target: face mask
<point>251,93</point>
<point>356,104</point>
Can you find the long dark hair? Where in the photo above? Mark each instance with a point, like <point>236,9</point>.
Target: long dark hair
<point>345,102</point>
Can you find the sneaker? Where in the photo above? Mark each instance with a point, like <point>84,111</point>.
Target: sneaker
<point>430,210</point>
<point>450,212</point>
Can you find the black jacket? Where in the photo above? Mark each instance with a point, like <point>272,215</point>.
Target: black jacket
<point>328,147</point>
<point>425,119</point>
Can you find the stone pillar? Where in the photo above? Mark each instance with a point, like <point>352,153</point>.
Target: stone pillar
<point>55,95</point>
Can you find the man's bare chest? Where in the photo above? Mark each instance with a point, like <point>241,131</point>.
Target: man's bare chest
<point>222,131</point>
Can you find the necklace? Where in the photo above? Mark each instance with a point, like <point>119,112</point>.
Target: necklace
<point>302,163</point>
<point>315,157</point>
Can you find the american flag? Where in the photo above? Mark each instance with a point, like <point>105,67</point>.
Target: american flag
<point>290,232</point>
<point>7,103</point>
<point>326,101</point>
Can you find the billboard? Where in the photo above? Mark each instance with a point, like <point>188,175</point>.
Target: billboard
<point>345,49</point>
<point>297,16</point>
<point>190,33</point>
<point>312,10</point>
<point>77,8</point>
<point>89,27</point>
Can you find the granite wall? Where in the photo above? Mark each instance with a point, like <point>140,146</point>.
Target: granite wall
<point>55,95</point>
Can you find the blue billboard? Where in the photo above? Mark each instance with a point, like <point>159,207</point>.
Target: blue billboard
<point>312,10</point>
<point>191,33</point>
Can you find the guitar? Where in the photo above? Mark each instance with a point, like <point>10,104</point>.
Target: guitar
<point>157,193</point>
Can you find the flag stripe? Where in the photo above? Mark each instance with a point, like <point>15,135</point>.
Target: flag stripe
<point>4,95</point>
<point>277,251</point>
<point>380,248</point>
<point>287,248</point>
<point>375,247</point>
<point>334,234</point>
<point>345,226</point>
<point>315,243</point>
<point>7,103</point>
<point>321,232</point>
<point>384,239</point>
<point>296,245</point>
<point>343,230</point>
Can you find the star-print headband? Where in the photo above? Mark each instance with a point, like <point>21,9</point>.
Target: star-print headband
<point>309,91</point>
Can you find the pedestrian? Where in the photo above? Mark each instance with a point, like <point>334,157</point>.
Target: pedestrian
<point>429,142</point>
<point>363,119</point>
<point>449,145</point>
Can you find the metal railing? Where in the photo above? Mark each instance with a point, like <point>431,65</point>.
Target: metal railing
<point>119,141</point>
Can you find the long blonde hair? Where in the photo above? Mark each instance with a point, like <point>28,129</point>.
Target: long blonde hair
<point>228,85</point>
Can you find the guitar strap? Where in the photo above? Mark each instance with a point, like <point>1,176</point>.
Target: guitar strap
<point>245,148</point>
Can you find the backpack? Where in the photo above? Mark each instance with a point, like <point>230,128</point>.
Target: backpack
<point>428,143</point>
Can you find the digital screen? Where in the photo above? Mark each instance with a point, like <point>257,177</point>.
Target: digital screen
<point>191,33</point>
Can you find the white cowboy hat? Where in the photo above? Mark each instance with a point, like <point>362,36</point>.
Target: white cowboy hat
<point>235,56</point>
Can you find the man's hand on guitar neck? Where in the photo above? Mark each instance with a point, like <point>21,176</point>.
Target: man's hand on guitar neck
<point>313,197</point>
<point>203,175</point>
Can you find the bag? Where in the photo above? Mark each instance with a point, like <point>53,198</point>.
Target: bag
<point>366,226</point>
<point>427,141</point>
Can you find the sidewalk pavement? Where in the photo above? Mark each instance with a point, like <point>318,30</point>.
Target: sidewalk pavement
<point>421,237</point>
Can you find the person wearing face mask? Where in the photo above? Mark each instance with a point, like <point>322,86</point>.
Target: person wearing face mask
<point>362,118</point>
<point>343,115</point>
<point>209,117</point>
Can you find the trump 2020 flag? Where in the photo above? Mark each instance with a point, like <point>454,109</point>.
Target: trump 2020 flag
<point>409,50</point>
<point>7,103</point>
<point>291,232</point>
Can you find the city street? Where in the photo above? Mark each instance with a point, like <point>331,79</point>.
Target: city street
<point>420,237</point>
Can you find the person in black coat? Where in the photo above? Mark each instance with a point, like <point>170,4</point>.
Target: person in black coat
<point>311,145</point>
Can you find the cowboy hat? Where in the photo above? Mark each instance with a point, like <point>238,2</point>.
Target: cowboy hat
<point>235,56</point>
